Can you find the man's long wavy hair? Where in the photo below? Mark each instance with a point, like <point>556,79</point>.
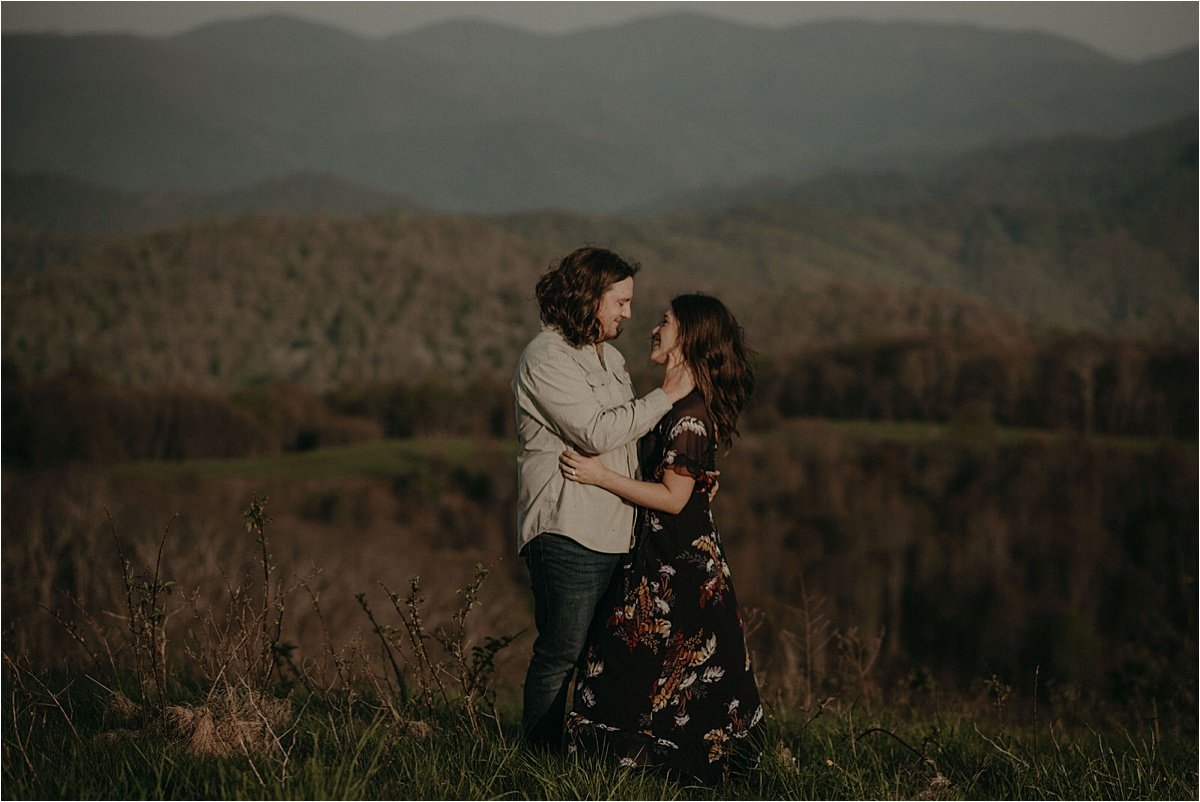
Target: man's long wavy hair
<point>569,294</point>
<point>714,347</point>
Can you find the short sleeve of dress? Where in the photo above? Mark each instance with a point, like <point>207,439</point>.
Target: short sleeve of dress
<point>687,444</point>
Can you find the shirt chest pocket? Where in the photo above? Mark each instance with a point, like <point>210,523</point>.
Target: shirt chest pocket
<point>609,388</point>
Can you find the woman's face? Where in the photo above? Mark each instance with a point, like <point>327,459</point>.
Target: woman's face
<point>665,348</point>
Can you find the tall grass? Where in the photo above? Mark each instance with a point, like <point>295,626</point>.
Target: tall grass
<point>226,710</point>
<point>845,754</point>
<point>148,655</point>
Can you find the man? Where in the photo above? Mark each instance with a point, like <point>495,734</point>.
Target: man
<point>572,391</point>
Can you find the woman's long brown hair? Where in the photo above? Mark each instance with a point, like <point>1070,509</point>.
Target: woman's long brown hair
<point>714,347</point>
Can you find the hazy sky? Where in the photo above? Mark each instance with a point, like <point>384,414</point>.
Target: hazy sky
<point>1128,29</point>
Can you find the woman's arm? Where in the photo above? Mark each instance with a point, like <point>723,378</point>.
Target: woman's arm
<point>670,495</point>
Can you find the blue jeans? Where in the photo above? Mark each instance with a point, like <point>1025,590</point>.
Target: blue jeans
<point>568,581</point>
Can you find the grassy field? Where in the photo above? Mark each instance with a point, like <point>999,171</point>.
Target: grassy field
<point>389,458</point>
<point>335,748</point>
<point>380,459</point>
<point>337,704</point>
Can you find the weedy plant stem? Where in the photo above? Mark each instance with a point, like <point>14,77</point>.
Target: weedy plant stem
<point>338,663</point>
<point>147,621</point>
<point>256,522</point>
<point>22,746</point>
<point>427,672</point>
<point>158,621</point>
<point>378,629</point>
<point>1037,754</point>
<point>816,637</point>
<point>454,643</point>
<point>132,617</point>
<point>73,633</point>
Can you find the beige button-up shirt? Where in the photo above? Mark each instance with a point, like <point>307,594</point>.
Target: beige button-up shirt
<point>567,396</point>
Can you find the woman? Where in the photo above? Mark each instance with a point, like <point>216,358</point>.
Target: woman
<point>666,679</point>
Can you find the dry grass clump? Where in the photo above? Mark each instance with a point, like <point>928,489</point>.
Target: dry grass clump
<point>417,729</point>
<point>939,788</point>
<point>233,721</point>
<point>119,709</point>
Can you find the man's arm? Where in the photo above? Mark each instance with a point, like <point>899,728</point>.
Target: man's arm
<point>559,388</point>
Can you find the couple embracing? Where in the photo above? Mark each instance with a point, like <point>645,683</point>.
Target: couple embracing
<point>629,578</point>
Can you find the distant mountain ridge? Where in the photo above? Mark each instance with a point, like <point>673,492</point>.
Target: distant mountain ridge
<point>63,204</point>
<point>485,118</point>
<point>1067,171</point>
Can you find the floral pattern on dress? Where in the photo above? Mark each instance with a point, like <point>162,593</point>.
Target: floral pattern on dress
<point>666,677</point>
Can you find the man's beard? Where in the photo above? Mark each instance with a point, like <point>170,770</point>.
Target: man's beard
<point>604,336</point>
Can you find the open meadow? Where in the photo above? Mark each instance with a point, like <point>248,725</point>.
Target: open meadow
<point>350,621</point>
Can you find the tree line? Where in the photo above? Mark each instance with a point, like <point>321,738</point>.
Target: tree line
<point>1078,383</point>
<point>1081,383</point>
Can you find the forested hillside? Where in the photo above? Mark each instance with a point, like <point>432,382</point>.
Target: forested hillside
<point>989,257</point>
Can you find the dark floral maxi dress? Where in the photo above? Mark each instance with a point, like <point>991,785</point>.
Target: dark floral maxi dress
<point>665,679</point>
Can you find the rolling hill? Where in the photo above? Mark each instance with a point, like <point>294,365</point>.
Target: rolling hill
<point>59,203</point>
<point>1100,241</point>
<point>484,118</point>
<point>1077,232</point>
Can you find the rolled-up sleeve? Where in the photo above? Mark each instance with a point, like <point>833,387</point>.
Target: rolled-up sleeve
<point>567,401</point>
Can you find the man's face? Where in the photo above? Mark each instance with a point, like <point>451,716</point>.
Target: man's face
<point>616,306</point>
